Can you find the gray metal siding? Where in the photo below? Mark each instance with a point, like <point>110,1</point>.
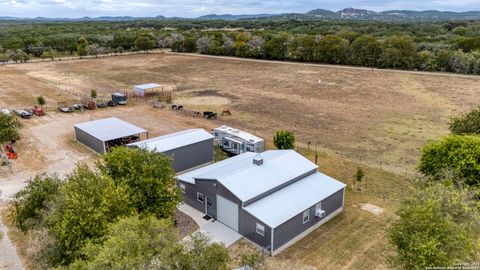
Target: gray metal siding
<point>247,226</point>
<point>190,196</point>
<point>192,155</point>
<point>294,226</point>
<point>89,140</point>
<point>210,188</point>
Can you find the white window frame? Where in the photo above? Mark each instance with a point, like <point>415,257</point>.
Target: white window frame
<point>306,214</point>
<point>182,187</point>
<point>260,229</point>
<point>200,195</point>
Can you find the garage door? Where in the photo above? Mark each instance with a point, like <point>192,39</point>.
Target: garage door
<point>227,212</point>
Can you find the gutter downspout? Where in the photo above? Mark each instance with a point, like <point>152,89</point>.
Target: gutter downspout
<point>271,244</point>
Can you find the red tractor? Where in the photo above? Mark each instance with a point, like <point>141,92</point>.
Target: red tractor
<point>38,111</point>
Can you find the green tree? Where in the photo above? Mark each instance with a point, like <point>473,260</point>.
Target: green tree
<point>133,243</point>
<point>459,154</point>
<point>200,253</point>
<point>438,226</point>
<point>93,93</point>
<point>41,101</point>
<point>148,176</point>
<point>399,52</point>
<point>87,203</point>
<point>29,204</point>
<point>468,123</point>
<point>284,139</point>
<point>365,50</point>
<point>144,43</point>
<point>332,49</point>
<point>275,47</point>
<point>82,44</point>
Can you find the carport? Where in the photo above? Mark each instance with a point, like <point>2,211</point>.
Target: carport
<point>102,134</point>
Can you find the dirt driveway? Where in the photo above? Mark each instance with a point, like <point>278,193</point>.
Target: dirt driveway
<point>48,146</point>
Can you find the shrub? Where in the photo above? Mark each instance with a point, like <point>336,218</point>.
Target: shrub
<point>458,154</point>
<point>284,139</point>
<point>437,226</point>
<point>468,123</point>
<point>29,204</point>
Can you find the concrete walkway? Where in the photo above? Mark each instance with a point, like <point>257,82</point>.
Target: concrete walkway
<point>217,231</point>
<point>220,233</point>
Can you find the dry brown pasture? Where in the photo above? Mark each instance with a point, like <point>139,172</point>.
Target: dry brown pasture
<point>377,117</point>
<point>356,115</point>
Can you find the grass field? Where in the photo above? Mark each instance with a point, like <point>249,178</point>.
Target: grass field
<point>377,119</point>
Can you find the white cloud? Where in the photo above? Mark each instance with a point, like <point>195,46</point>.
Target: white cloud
<point>192,8</point>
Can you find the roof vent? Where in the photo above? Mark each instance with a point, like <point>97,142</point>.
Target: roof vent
<point>258,160</point>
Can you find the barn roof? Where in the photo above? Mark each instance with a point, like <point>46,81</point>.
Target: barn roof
<point>108,129</point>
<point>290,201</point>
<point>147,86</point>
<point>174,140</point>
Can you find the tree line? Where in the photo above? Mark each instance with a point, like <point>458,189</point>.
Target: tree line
<point>433,46</point>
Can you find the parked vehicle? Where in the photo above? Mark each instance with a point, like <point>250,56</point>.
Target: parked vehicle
<point>5,111</point>
<point>66,109</point>
<point>119,99</point>
<point>23,113</point>
<point>38,111</point>
<point>101,105</point>
<point>90,105</point>
<point>77,106</point>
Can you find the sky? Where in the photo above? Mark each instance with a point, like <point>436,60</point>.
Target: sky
<point>195,8</point>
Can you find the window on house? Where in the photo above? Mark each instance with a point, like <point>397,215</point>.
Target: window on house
<point>306,216</point>
<point>226,143</point>
<point>260,229</point>
<point>200,197</point>
<point>182,188</point>
<point>235,146</point>
<point>216,134</point>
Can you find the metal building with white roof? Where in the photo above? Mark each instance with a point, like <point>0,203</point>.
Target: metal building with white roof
<point>273,198</point>
<point>189,149</point>
<point>101,134</point>
<point>142,88</point>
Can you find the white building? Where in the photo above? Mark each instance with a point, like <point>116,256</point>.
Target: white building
<point>237,141</point>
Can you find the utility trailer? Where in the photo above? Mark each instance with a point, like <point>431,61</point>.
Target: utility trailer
<point>236,141</point>
<point>119,99</point>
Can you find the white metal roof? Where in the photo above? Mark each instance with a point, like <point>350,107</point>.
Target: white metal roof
<point>291,200</point>
<point>239,133</point>
<point>174,140</point>
<point>147,86</point>
<point>238,161</point>
<point>109,128</point>
<point>247,180</point>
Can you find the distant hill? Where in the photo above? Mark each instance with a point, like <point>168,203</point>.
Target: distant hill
<point>315,14</point>
<point>230,17</point>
